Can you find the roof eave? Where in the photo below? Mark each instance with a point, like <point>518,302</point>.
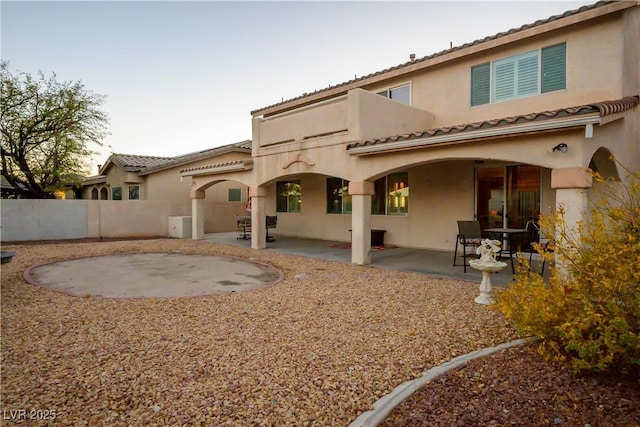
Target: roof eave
<point>189,159</point>
<point>213,169</point>
<point>466,136</point>
<point>453,54</point>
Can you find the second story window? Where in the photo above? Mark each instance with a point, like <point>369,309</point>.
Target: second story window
<point>398,93</point>
<point>519,76</point>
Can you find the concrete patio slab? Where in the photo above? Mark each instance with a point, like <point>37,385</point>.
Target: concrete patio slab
<point>147,275</point>
<point>424,261</point>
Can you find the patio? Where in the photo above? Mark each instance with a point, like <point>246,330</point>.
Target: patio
<point>431,262</point>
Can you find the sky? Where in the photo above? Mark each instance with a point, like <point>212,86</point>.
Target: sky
<point>183,76</point>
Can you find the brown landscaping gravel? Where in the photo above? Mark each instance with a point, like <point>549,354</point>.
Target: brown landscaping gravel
<point>517,387</point>
<point>318,348</point>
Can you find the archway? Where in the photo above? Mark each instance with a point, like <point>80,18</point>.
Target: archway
<point>603,163</point>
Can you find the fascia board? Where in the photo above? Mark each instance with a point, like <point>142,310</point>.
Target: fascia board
<point>477,134</point>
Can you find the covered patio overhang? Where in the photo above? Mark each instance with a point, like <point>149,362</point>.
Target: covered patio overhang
<point>586,116</point>
<point>524,139</point>
<point>570,175</point>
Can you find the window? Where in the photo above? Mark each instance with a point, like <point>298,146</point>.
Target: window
<point>399,93</point>
<point>134,192</point>
<point>398,194</point>
<point>518,76</point>
<point>235,195</point>
<point>391,195</point>
<point>288,196</point>
<point>116,193</point>
<point>338,198</point>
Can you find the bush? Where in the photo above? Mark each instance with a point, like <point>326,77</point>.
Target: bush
<point>589,311</point>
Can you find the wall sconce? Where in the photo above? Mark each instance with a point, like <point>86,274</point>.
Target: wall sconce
<point>563,148</point>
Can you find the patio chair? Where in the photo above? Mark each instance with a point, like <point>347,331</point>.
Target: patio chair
<point>272,222</point>
<point>546,245</point>
<point>469,235</point>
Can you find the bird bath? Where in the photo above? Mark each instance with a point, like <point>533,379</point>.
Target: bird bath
<point>487,264</point>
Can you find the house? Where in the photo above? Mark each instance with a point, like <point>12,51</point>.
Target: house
<point>499,129</point>
<point>8,191</point>
<point>135,177</point>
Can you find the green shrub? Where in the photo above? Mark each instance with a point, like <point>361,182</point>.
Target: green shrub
<point>589,311</point>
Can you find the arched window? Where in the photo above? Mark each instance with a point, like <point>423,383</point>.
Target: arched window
<point>94,194</point>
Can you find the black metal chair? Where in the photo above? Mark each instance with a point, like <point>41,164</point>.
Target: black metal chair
<point>540,245</point>
<point>272,222</point>
<point>469,235</point>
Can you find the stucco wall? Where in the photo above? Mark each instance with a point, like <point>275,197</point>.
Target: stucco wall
<point>596,47</point>
<point>166,184</point>
<point>25,219</point>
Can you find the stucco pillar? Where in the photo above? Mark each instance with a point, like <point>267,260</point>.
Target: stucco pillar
<point>361,192</point>
<point>258,197</point>
<point>197,214</point>
<point>571,185</point>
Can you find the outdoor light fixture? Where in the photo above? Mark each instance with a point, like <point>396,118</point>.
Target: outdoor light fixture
<point>563,148</point>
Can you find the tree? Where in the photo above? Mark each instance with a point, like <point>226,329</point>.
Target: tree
<point>46,128</point>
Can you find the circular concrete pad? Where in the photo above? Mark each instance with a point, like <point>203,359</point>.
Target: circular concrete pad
<point>144,275</point>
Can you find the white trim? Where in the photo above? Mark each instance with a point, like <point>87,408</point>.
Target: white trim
<point>476,134</point>
<point>388,89</point>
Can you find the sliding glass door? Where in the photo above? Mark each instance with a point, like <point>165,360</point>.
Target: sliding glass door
<point>508,197</point>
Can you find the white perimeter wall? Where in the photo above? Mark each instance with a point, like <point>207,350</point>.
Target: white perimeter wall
<point>26,219</point>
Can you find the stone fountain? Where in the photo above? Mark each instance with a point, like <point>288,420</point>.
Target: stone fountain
<point>487,264</point>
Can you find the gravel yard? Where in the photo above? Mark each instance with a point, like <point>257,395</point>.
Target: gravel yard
<point>318,348</point>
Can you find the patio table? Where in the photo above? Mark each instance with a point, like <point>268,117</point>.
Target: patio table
<point>507,235</point>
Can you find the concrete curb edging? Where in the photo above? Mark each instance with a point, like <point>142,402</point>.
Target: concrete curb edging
<point>384,405</point>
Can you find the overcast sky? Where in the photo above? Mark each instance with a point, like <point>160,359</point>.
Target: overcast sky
<point>183,76</point>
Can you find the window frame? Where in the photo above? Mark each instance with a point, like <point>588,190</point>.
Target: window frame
<point>547,78</point>
<point>288,197</point>
<point>129,188</point>
<point>386,92</point>
<point>237,194</point>
<point>343,197</point>
<point>382,196</point>
<point>113,192</point>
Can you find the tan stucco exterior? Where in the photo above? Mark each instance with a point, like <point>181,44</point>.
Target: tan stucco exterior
<point>164,184</point>
<point>312,137</point>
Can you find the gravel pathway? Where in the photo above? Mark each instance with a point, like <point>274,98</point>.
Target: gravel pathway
<point>317,348</point>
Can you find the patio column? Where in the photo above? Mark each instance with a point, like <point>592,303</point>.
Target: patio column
<point>197,214</point>
<point>258,197</point>
<point>571,185</point>
<point>361,192</point>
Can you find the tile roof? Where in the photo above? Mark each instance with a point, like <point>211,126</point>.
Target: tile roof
<point>145,165</point>
<point>5,185</point>
<point>241,162</point>
<point>603,108</point>
<point>242,146</point>
<point>447,51</point>
<point>95,179</point>
<point>134,163</point>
